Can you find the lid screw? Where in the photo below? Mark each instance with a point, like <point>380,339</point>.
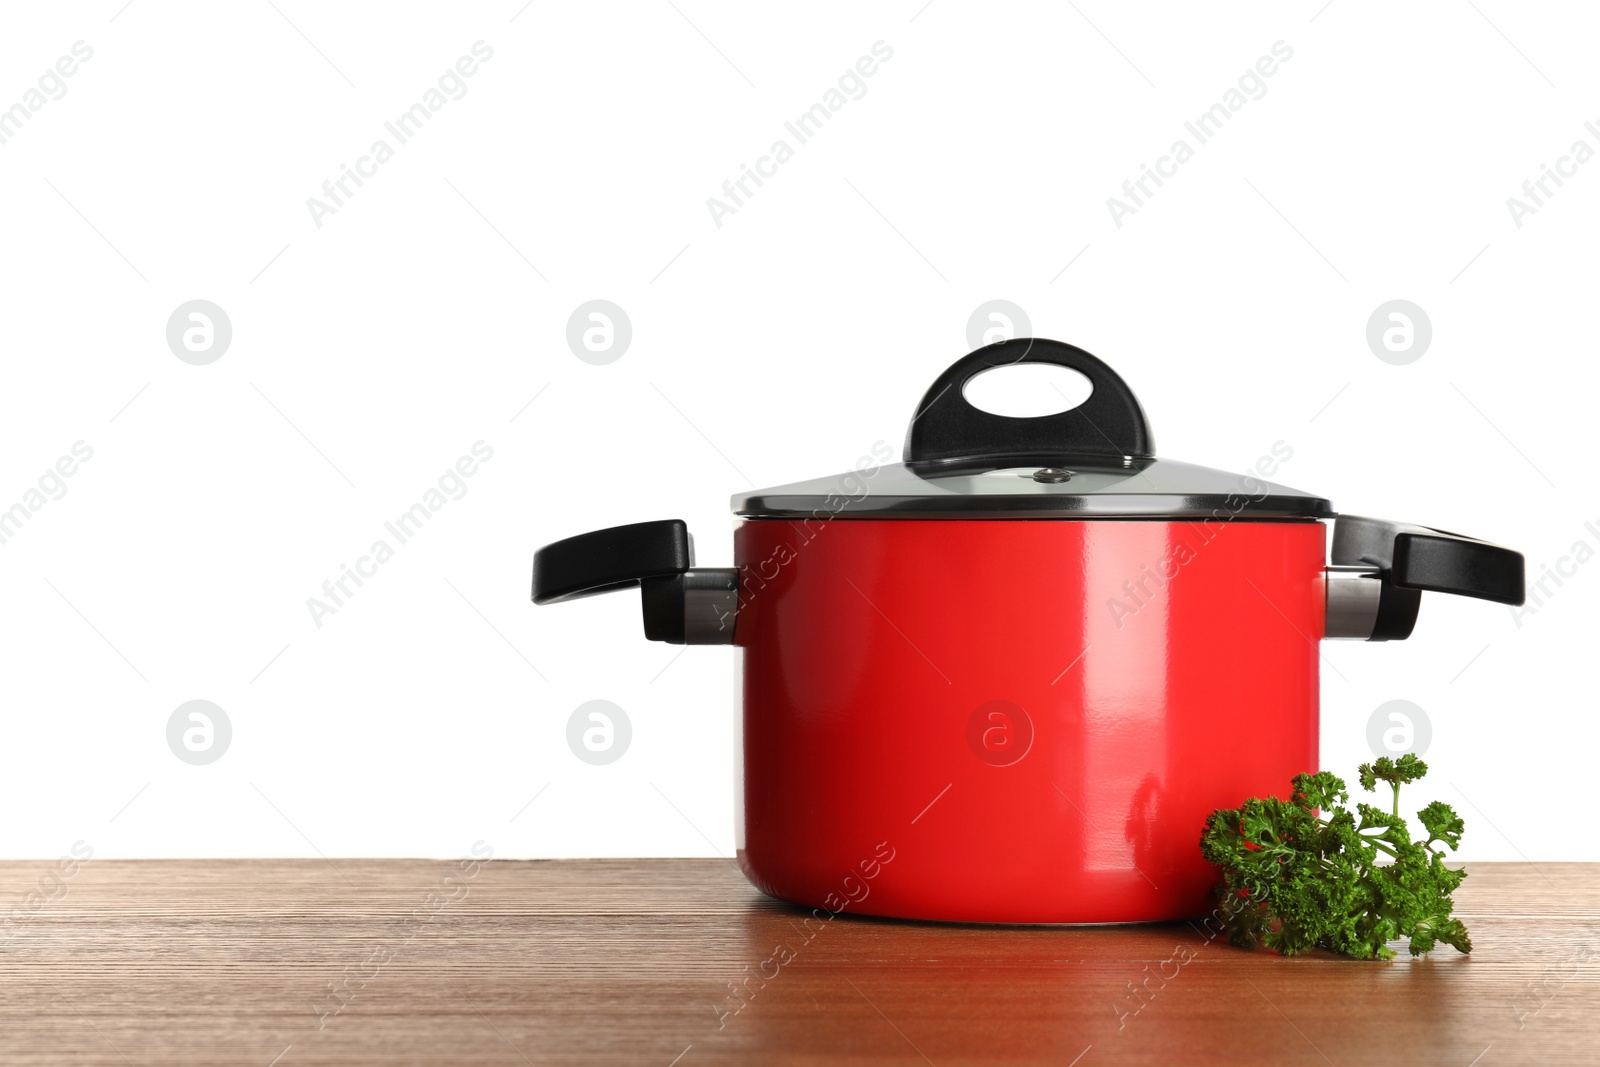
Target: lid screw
<point>1052,475</point>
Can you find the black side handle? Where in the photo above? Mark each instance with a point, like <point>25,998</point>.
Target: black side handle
<point>1437,561</point>
<point>615,558</point>
<point>1412,559</point>
<point>682,605</point>
<point>948,431</point>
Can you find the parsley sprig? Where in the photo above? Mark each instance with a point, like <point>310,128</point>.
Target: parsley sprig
<point>1349,882</point>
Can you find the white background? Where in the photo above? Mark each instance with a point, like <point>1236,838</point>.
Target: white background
<point>368,354</point>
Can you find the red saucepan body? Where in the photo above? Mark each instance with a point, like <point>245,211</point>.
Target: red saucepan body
<point>1036,717</point>
<point>1008,679</point>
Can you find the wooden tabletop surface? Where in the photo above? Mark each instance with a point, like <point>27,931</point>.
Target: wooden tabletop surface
<point>299,962</point>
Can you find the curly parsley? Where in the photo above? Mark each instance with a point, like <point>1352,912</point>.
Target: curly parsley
<point>1348,882</point>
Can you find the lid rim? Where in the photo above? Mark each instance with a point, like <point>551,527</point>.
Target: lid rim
<point>1080,508</point>
<point>1146,489</point>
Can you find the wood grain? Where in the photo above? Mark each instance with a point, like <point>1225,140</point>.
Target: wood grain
<point>633,961</point>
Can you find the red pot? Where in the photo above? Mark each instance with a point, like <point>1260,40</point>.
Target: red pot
<point>1005,680</point>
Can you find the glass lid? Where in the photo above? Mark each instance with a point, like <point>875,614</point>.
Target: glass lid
<point>1094,461</point>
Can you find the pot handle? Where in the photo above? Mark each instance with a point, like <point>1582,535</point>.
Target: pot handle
<point>948,431</point>
<point>682,605</point>
<point>1404,560</point>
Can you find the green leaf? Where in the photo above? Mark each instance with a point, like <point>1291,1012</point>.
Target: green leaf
<point>1409,768</point>
<point>1442,823</point>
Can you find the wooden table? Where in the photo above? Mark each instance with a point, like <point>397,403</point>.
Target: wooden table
<point>635,961</point>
